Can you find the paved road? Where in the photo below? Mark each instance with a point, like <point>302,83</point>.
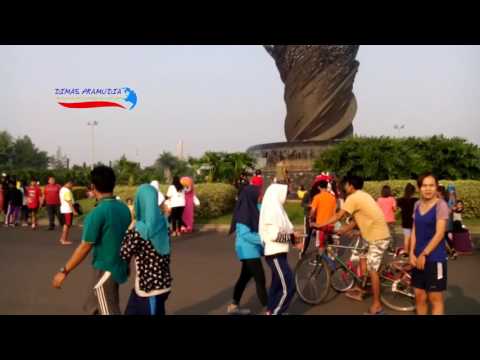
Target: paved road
<point>204,267</point>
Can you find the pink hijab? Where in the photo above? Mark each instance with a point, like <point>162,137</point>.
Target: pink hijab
<point>188,212</point>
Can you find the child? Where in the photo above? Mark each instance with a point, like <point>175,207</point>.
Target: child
<point>457,216</point>
<point>450,196</point>
<point>33,201</point>
<point>301,192</point>
<point>388,205</point>
<point>67,210</point>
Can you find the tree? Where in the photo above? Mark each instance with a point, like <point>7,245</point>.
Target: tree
<point>127,171</point>
<point>225,167</point>
<point>26,155</point>
<point>383,158</point>
<point>171,166</point>
<point>59,161</point>
<point>6,148</point>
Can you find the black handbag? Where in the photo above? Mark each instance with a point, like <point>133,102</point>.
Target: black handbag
<point>284,238</point>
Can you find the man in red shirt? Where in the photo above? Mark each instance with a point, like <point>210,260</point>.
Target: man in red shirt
<point>51,195</point>
<point>33,201</point>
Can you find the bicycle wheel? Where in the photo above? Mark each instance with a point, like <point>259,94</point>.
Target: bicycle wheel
<point>342,280</point>
<point>312,278</point>
<point>398,295</point>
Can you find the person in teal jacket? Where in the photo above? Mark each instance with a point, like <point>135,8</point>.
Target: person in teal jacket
<point>248,247</point>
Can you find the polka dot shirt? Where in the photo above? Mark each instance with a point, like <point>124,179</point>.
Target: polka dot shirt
<point>153,268</point>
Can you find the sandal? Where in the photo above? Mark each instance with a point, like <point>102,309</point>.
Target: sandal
<point>354,295</point>
<point>381,312</point>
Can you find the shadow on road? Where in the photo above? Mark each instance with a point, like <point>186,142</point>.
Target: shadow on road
<point>298,307</point>
<point>457,303</point>
<point>204,307</point>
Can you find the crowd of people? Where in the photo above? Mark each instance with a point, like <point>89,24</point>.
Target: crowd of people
<point>117,232</point>
<point>429,223</point>
<point>20,203</point>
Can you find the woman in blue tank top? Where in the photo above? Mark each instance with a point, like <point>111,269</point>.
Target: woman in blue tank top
<point>428,254</point>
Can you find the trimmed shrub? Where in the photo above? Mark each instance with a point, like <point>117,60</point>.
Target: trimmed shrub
<point>216,199</point>
<point>79,193</point>
<point>467,190</point>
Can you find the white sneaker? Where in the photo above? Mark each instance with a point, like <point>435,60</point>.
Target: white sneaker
<point>233,309</point>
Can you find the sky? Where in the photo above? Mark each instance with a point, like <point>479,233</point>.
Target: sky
<point>222,98</point>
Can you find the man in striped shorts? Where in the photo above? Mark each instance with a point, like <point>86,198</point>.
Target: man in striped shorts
<point>103,232</point>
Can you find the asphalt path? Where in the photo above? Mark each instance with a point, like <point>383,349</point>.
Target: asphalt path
<point>204,269</point>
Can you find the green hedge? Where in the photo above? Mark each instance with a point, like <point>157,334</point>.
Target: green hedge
<point>219,199</point>
<point>79,193</point>
<point>467,190</point>
<point>216,199</point>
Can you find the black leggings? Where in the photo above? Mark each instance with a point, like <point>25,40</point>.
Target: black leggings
<point>251,268</point>
<point>176,217</point>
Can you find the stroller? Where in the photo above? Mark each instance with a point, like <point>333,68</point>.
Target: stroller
<point>462,240</point>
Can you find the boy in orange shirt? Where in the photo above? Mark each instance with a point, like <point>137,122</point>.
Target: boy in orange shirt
<point>324,206</point>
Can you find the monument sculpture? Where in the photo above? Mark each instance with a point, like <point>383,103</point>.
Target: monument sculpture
<point>318,89</point>
<point>320,104</point>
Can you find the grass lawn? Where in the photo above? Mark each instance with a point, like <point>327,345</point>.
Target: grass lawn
<point>294,211</point>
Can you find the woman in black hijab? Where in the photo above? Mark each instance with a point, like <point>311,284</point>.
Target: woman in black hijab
<point>249,248</point>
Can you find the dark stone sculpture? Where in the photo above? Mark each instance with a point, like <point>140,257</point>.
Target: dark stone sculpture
<point>318,89</point>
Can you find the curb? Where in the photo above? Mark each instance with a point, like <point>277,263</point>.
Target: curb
<point>222,228</point>
<point>226,228</point>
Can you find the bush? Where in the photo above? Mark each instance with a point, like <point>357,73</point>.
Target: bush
<point>382,158</point>
<point>216,199</point>
<point>79,193</point>
<point>467,190</point>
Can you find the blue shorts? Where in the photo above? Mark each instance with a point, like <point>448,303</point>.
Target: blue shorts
<point>432,279</point>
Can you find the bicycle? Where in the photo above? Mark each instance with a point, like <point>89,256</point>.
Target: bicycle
<point>322,269</point>
<point>314,270</point>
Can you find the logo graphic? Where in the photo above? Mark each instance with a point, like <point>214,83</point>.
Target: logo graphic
<point>76,98</point>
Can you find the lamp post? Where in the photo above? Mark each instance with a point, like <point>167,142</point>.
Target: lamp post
<point>92,125</point>
<point>399,127</point>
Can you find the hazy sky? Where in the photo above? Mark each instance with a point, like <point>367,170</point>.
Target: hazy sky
<point>222,97</point>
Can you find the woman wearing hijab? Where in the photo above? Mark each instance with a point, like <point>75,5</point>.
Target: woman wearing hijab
<point>191,201</point>
<point>149,244</point>
<point>249,248</point>
<point>161,197</point>
<point>276,232</point>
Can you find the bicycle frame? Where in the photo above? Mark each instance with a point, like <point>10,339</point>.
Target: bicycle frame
<point>339,260</point>
<point>404,276</point>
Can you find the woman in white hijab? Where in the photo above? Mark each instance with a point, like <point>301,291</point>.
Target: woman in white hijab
<point>161,197</point>
<point>276,232</point>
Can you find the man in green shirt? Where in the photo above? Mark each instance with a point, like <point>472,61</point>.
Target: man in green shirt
<point>104,229</point>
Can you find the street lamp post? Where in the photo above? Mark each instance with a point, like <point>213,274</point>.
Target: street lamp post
<point>92,125</point>
<point>399,127</point>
